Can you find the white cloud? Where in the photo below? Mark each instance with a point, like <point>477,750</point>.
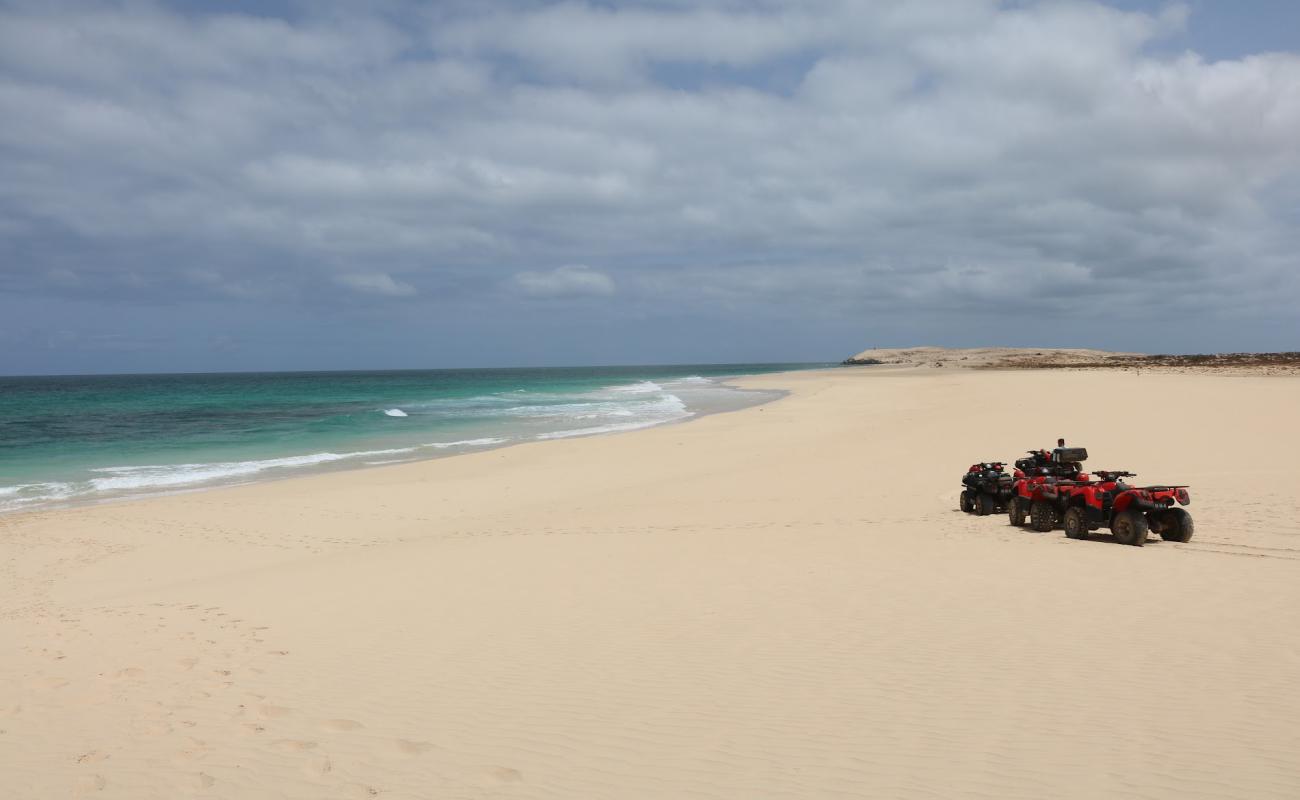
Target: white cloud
<point>573,280</point>
<point>380,283</point>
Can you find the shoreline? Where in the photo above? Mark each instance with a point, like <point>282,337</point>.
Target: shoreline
<point>893,369</point>
<point>777,601</point>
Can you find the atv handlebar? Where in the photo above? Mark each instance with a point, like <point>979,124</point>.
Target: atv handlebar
<point>1109,475</point>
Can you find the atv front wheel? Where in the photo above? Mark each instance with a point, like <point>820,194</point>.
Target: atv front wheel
<point>1076,523</point>
<point>965,504</point>
<point>1042,517</point>
<point>983,505</point>
<point>1176,525</point>
<point>1130,527</point>
<point>1016,511</point>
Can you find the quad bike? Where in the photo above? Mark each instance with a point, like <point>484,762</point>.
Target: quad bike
<point>1129,511</point>
<point>986,487</point>
<point>1037,484</point>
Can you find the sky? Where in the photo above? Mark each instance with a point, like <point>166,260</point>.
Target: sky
<point>224,186</point>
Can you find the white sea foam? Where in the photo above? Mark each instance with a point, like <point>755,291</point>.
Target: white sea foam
<point>596,408</point>
<point>644,387</point>
<point>31,489</point>
<point>27,494</point>
<point>595,429</point>
<point>666,408</point>
<point>170,475</point>
<point>468,443</point>
<point>394,412</point>
<point>694,379</point>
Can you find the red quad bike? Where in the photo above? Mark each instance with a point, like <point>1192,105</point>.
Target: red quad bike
<point>1038,482</point>
<point>1129,511</point>
<point>985,488</point>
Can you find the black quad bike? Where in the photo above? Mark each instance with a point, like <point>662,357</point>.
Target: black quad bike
<point>986,488</point>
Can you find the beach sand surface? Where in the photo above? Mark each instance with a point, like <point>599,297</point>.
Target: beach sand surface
<point>781,602</point>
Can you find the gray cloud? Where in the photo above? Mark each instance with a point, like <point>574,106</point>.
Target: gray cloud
<point>945,160</point>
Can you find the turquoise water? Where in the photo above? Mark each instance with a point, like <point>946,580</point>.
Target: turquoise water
<point>78,438</point>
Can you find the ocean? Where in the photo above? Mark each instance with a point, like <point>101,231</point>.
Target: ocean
<point>74,439</point>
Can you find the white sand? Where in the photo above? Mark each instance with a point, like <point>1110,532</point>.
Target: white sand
<point>779,602</point>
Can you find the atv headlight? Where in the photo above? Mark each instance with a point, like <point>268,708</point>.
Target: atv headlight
<point>1183,497</point>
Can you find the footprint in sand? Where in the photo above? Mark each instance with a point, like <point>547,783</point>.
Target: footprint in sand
<point>341,725</point>
<point>130,672</point>
<point>90,783</point>
<point>320,765</point>
<point>157,728</point>
<point>93,757</point>
<point>203,780</point>
<point>503,775</point>
<point>407,747</point>
<point>195,750</point>
<point>294,744</point>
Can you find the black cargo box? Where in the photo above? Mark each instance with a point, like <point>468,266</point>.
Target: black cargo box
<point>1067,455</point>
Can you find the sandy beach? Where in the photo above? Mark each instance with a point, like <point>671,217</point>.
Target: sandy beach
<point>780,602</point>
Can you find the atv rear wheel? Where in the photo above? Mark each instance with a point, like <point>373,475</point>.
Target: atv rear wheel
<point>1076,523</point>
<point>965,504</point>
<point>1176,525</point>
<point>1130,527</point>
<point>983,505</point>
<point>1042,517</point>
<point>1016,511</point>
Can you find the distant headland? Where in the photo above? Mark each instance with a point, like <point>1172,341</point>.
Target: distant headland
<point>1285,363</point>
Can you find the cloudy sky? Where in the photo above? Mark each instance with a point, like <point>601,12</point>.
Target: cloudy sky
<point>313,185</point>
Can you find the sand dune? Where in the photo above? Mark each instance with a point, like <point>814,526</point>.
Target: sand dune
<point>781,602</point>
<point>975,357</point>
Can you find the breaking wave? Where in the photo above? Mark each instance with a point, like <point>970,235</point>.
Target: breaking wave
<point>484,442</point>
<point>172,475</point>
<point>595,429</point>
<point>641,387</point>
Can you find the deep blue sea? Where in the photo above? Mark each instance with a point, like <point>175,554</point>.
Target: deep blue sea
<point>72,439</point>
